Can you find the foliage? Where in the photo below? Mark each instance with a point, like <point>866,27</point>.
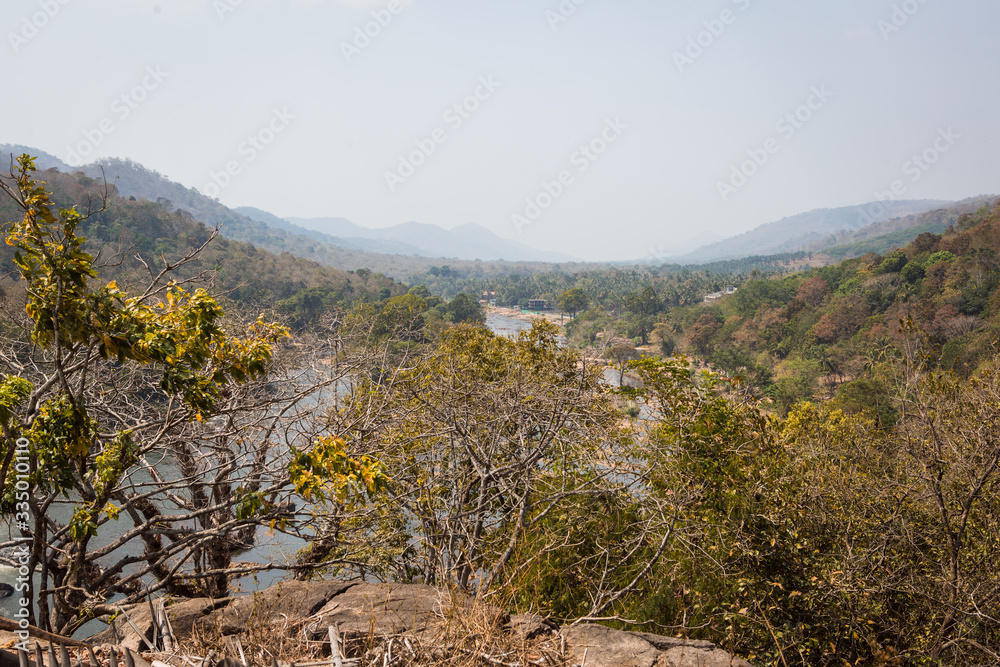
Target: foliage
<point>573,301</point>
<point>109,384</point>
<point>492,444</point>
<point>326,472</point>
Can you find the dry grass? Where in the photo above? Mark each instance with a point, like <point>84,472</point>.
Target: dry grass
<point>472,635</point>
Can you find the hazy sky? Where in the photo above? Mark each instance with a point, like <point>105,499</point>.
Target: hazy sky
<point>606,129</point>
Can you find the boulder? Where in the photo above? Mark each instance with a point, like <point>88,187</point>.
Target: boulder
<point>429,616</point>
<point>601,646</point>
<point>183,614</point>
<point>289,599</point>
<point>687,656</point>
<point>530,626</point>
<point>387,610</point>
<point>607,647</point>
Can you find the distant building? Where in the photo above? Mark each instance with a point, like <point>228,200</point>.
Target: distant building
<point>715,296</point>
<point>537,304</point>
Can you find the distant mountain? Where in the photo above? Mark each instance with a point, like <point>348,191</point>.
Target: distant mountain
<point>333,238</point>
<point>799,232</point>
<point>882,237</point>
<point>395,258</point>
<point>657,254</point>
<point>44,160</point>
<point>464,242</point>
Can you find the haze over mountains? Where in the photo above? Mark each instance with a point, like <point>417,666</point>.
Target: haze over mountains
<point>405,249</point>
<point>798,232</point>
<point>469,241</point>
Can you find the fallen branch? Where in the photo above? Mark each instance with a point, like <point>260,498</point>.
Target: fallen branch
<point>38,633</point>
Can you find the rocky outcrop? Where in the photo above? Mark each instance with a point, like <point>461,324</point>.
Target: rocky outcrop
<point>420,617</point>
<point>289,600</point>
<point>601,646</point>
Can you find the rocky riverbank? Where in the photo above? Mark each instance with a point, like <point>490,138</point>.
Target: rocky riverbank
<point>386,624</point>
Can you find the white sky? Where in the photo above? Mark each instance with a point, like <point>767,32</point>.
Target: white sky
<point>656,185</point>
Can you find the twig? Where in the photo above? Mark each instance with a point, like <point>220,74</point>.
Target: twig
<point>137,630</point>
<point>335,646</point>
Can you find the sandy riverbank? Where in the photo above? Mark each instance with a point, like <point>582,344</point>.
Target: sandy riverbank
<point>527,316</point>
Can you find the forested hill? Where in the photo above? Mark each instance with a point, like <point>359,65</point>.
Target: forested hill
<point>895,232</point>
<point>268,232</point>
<point>798,232</point>
<point>154,231</point>
<point>816,332</point>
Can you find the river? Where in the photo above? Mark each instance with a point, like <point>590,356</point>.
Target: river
<point>270,547</point>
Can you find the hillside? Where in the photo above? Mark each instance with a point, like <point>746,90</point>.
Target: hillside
<point>396,259</point>
<point>333,237</point>
<point>140,231</point>
<point>817,331</point>
<point>896,232</point>
<point>798,232</point>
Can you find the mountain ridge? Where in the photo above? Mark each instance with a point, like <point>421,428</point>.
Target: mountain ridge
<point>467,241</point>
<point>799,232</point>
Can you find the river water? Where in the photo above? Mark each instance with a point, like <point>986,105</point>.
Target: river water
<point>270,547</point>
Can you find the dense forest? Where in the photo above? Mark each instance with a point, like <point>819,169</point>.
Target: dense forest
<point>814,481</point>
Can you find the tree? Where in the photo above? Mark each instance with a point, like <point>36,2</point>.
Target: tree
<point>813,291</point>
<point>573,301</point>
<point>143,430</point>
<point>464,308</point>
<point>703,331</point>
<point>621,355</point>
<point>402,317</point>
<point>949,435</point>
<point>499,452</point>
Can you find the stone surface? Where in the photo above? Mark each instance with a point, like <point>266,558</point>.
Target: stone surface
<point>607,647</point>
<point>182,614</point>
<point>291,599</point>
<point>363,610</point>
<point>688,656</point>
<point>387,609</point>
<point>601,646</point>
<point>530,626</point>
<point>666,643</point>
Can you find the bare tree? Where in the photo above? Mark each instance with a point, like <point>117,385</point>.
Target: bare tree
<point>149,438</point>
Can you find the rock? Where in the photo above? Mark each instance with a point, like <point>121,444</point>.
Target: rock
<point>667,643</point>
<point>687,656</point>
<point>530,626</point>
<point>601,646</point>
<point>291,599</point>
<point>387,610</point>
<point>607,647</point>
<point>6,590</point>
<point>430,617</point>
<point>183,615</point>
